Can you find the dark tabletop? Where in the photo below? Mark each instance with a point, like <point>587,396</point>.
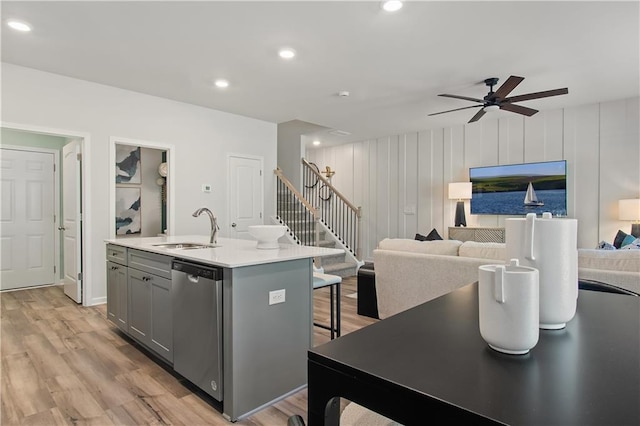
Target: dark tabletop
<point>587,373</point>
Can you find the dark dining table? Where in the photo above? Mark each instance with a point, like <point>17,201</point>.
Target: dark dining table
<point>430,363</point>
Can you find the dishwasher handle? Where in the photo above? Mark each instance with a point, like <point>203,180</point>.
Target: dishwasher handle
<point>193,278</point>
<point>197,270</point>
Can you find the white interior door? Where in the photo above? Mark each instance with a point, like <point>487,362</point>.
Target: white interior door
<point>27,219</point>
<point>71,221</point>
<point>245,194</point>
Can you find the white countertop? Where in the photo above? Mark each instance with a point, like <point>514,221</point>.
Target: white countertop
<point>231,253</point>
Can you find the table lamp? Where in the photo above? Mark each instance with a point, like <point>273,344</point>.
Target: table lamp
<point>460,191</point>
<point>630,210</point>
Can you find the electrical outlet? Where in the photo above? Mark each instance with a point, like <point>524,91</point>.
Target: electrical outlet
<point>276,296</point>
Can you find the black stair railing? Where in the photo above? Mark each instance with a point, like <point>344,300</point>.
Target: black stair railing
<point>336,212</point>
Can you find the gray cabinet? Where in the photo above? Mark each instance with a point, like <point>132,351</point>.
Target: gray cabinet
<point>117,286</point>
<point>150,296</point>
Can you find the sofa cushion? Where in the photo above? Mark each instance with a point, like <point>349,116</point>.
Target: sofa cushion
<point>612,260</point>
<point>441,247</point>
<point>479,250</point>
<point>433,235</point>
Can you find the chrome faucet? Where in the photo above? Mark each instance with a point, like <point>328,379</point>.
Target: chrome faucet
<point>214,223</point>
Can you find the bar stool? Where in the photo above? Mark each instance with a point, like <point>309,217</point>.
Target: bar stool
<point>321,280</point>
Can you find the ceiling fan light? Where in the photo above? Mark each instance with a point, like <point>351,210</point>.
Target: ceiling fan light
<point>491,108</point>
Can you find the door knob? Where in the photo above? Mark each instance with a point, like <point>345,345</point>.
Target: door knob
<point>234,225</point>
<point>61,228</point>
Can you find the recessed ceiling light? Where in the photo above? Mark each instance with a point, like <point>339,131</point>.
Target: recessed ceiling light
<point>286,53</point>
<point>19,26</point>
<point>316,143</point>
<point>222,83</point>
<point>392,5</point>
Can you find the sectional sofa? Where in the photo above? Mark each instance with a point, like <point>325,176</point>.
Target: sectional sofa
<point>406,273</point>
<point>410,272</point>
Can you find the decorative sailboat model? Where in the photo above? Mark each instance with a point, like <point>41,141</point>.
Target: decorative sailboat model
<point>531,199</point>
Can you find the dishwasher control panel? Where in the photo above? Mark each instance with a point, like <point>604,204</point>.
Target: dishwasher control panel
<point>214,274</point>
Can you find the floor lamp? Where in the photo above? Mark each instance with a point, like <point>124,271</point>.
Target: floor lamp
<point>630,210</point>
<point>460,191</point>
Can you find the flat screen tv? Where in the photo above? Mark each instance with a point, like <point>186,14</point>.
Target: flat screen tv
<point>518,189</point>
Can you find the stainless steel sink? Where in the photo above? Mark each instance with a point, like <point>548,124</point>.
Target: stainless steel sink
<point>185,246</point>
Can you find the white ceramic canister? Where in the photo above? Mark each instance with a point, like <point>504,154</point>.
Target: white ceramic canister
<point>508,306</point>
<point>549,245</point>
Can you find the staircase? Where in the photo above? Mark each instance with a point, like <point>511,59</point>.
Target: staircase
<point>307,228</point>
<point>337,264</point>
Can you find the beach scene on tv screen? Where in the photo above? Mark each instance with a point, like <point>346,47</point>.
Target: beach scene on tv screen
<point>518,189</point>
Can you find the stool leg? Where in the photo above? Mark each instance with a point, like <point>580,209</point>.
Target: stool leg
<point>333,329</point>
<point>338,308</point>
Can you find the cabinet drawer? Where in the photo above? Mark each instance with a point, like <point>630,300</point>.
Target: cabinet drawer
<point>152,263</point>
<point>117,254</point>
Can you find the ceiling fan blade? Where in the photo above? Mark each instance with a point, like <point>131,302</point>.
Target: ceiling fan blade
<point>518,109</point>
<point>466,98</point>
<point>537,95</point>
<point>457,109</point>
<point>507,87</point>
<point>478,116</point>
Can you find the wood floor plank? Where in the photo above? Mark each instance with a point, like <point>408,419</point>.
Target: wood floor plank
<point>65,364</point>
<point>25,389</point>
<point>98,380</point>
<point>45,357</point>
<point>113,360</point>
<point>73,399</point>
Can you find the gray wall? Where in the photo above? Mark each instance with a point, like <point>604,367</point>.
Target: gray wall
<point>401,180</point>
<point>291,148</point>
<point>202,138</point>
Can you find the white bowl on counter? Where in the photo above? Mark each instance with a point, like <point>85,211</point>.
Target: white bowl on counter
<point>267,235</point>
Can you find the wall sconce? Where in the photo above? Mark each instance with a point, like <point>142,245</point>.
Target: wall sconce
<point>460,191</point>
<point>630,210</point>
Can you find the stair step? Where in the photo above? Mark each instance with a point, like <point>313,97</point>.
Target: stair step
<point>333,259</point>
<point>326,243</point>
<point>341,269</point>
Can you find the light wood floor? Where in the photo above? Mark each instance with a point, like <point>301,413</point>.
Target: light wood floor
<point>64,364</point>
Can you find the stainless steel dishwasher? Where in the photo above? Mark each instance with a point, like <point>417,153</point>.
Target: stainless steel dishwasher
<point>197,325</point>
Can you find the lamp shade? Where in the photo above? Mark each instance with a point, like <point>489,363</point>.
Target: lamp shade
<point>629,209</point>
<point>460,191</point>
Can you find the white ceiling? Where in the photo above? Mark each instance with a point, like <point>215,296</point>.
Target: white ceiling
<point>393,65</point>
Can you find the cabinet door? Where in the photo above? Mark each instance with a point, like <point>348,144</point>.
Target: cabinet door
<point>117,294</point>
<point>161,317</point>
<point>112,292</point>
<point>140,306</point>
<point>122,312</point>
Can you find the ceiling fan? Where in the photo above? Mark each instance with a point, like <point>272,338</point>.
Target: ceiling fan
<point>498,100</point>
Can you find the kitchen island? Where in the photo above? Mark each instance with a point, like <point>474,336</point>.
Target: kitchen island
<point>265,316</point>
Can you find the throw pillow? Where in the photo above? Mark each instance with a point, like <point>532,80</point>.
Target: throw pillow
<point>617,241</point>
<point>633,245</point>
<point>433,235</point>
<point>627,240</point>
<point>605,246</point>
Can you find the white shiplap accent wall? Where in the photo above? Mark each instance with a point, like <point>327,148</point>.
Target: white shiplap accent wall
<point>400,181</point>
